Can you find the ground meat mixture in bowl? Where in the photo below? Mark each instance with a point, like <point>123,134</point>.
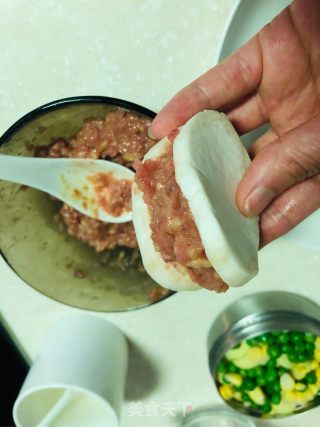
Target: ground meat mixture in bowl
<point>62,253</point>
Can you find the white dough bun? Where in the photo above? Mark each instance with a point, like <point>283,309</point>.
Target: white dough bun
<point>209,161</point>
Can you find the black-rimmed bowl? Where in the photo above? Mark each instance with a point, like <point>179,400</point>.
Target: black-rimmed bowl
<point>34,245</point>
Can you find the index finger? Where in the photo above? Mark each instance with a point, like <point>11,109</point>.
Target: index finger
<point>235,77</point>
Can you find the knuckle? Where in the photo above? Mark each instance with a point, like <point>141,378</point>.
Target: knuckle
<point>239,75</point>
<point>301,164</point>
<point>202,92</point>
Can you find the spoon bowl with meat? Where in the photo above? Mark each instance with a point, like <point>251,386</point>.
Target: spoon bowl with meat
<point>99,189</point>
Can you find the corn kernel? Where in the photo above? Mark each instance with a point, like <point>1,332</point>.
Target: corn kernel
<point>257,396</point>
<point>304,396</point>
<point>226,391</point>
<point>313,389</point>
<point>238,396</point>
<point>235,379</point>
<point>284,362</point>
<point>254,353</point>
<point>236,353</point>
<point>317,343</point>
<point>317,355</point>
<point>287,382</point>
<point>314,365</point>
<point>300,386</point>
<point>291,395</point>
<point>299,370</point>
<point>220,377</point>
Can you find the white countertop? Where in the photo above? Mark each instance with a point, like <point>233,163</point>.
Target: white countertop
<point>142,51</point>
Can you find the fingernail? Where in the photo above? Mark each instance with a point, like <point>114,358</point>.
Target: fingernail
<point>150,134</point>
<point>257,200</point>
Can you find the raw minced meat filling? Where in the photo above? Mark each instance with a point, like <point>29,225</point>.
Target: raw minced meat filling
<point>174,232</point>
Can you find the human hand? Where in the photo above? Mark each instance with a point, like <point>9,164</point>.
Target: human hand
<point>274,78</point>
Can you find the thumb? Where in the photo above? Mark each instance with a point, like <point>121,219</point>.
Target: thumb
<point>289,159</point>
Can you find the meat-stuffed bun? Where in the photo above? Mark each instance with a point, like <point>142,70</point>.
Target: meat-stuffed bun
<point>189,229</point>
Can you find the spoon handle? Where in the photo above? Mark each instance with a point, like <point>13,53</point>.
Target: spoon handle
<point>27,171</point>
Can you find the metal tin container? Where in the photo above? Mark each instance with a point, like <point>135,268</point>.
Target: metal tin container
<point>257,314</point>
<point>216,416</point>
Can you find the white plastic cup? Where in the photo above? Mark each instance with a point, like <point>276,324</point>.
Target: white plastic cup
<point>78,379</point>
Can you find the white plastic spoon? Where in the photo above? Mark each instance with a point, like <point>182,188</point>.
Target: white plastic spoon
<point>73,181</point>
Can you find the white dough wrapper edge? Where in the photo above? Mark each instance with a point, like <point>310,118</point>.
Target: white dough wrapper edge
<point>210,161</point>
<point>163,273</point>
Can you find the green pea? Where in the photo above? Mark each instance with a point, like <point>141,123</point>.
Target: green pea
<point>266,338</point>
<point>231,367</point>
<point>276,398</point>
<point>271,375</point>
<point>255,406</point>
<point>282,371</point>
<point>302,358</point>
<point>292,357</point>
<point>245,397</point>
<point>310,337</point>
<point>310,378</point>
<point>259,371</point>
<point>274,351</point>
<point>261,381</point>
<point>309,355</point>
<point>252,342</point>
<point>243,372</point>
<point>271,363</point>
<point>309,346</point>
<point>269,389</point>
<point>299,347</point>
<point>248,384</point>
<point>222,367</point>
<point>266,407</point>
<point>276,387</point>
<point>296,336</point>
<point>252,373</point>
<point>284,338</point>
<point>287,348</point>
